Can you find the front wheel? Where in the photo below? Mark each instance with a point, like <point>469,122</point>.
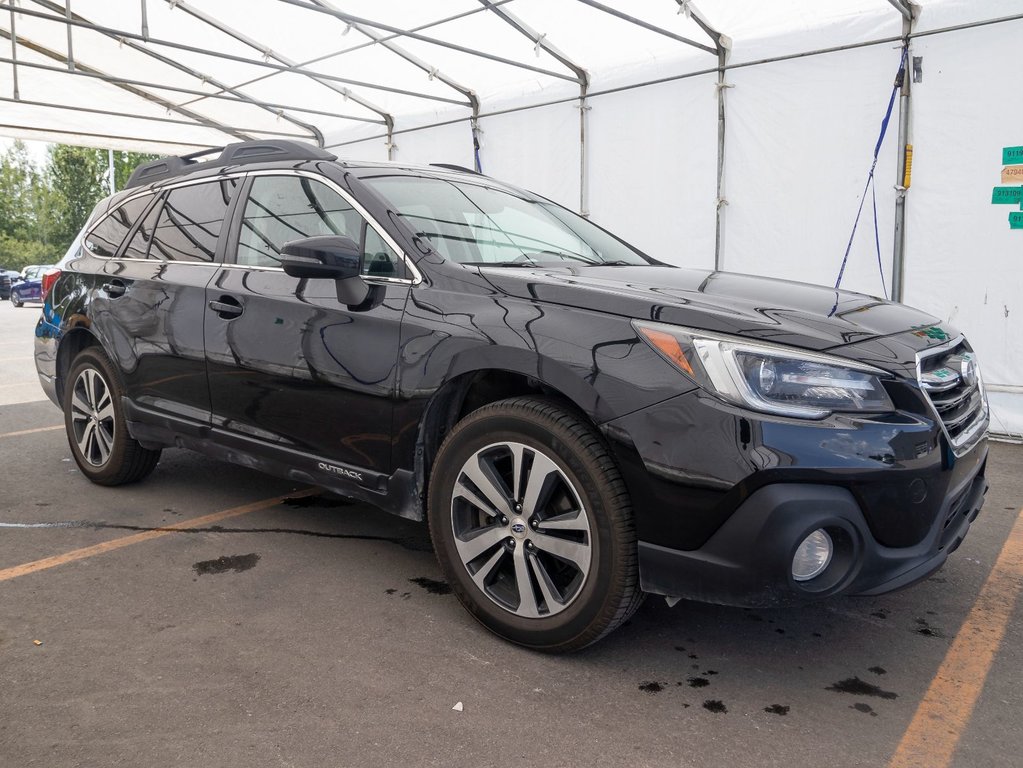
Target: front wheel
<point>532,525</point>
<point>95,425</point>
<point>15,301</point>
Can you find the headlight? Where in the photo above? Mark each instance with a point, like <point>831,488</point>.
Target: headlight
<point>769,377</point>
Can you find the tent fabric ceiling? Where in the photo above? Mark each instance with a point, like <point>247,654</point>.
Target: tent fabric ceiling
<point>173,75</point>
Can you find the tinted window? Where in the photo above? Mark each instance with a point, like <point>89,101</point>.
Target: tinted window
<point>138,248</point>
<point>190,222</point>
<point>285,208</point>
<point>106,238</point>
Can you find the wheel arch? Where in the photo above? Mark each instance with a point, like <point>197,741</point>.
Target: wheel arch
<point>73,341</point>
<point>476,381</point>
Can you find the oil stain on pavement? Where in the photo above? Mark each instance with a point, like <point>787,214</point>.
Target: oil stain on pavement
<point>859,687</point>
<point>236,563</point>
<point>433,586</point>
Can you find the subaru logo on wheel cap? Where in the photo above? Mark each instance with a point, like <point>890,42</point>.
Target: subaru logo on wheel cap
<point>518,528</point>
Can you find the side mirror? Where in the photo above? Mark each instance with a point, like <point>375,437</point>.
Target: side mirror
<point>332,257</point>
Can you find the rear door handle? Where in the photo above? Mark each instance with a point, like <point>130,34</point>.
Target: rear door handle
<point>226,307</point>
<point>114,288</point>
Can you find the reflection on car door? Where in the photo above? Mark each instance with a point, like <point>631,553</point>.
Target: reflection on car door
<point>149,298</point>
<point>288,364</point>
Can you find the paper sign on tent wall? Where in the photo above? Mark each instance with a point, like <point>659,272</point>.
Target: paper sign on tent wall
<point>1012,174</point>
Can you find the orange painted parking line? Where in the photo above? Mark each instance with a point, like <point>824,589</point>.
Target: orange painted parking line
<point>939,722</point>
<point>137,538</point>
<point>31,431</point>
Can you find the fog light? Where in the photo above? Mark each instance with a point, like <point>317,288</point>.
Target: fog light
<point>812,556</point>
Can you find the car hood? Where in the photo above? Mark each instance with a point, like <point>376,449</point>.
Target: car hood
<point>784,312</point>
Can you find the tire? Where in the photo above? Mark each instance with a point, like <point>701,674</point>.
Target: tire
<point>549,562</point>
<point>15,301</point>
<point>96,427</point>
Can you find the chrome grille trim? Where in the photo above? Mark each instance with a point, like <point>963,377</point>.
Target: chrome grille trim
<point>960,407</point>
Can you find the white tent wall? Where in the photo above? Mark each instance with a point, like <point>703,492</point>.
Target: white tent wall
<point>443,144</point>
<point>963,262</point>
<point>799,144</point>
<point>370,149</point>
<point>653,168</point>
<point>537,148</point>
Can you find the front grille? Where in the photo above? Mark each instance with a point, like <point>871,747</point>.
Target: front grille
<point>950,379</point>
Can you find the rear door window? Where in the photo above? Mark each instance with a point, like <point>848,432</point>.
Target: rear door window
<point>190,222</point>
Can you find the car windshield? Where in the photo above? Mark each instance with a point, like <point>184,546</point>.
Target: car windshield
<point>473,222</point>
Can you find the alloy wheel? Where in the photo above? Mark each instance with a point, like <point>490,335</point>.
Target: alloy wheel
<point>92,417</point>
<point>520,529</point>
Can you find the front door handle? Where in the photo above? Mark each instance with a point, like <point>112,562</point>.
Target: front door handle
<point>226,307</point>
<point>115,288</point>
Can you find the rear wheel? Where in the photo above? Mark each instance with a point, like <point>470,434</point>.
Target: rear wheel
<point>532,525</point>
<point>95,424</point>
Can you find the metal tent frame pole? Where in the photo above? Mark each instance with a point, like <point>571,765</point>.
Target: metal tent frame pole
<point>77,20</point>
<point>383,40</point>
<point>140,140</point>
<point>723,48</point>
<point>398,32</point>
<point>432,72</point>
<point>646,25</point>
<point>14,56</point>
<point>582,77</point>
<point>292,66</point>
<point>146,118</point>
<point>909,11</point>
<point>123,36</point>
<point>114,80</point>
<point>82,69</point>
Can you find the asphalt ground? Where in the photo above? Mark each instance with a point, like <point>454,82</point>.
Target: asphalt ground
<point>213,616</point>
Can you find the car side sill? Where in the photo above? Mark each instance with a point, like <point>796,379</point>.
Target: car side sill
<point>396,493</point>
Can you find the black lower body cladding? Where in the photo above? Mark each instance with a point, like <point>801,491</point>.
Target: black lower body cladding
<point>723,498</point>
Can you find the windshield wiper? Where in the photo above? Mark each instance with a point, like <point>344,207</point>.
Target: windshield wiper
<point>502,264</point>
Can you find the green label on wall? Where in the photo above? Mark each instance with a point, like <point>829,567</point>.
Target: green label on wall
<point>1016,220</point>
<point>1012,155</point>
<point>1007,195</point>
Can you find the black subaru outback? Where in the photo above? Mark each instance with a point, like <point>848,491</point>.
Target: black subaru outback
<point>580,423</point>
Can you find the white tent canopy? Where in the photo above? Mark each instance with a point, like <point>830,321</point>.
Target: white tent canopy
<point>734,134</point>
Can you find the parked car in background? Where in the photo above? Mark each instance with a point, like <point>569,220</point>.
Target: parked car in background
<point>34,271</point>
<point>6,280</point>
<point>25,291</point>
<point>579,423</point>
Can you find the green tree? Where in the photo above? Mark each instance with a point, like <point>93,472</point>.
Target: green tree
<point>76,178</point>
<point>42,210</point>
<point>18,179</point>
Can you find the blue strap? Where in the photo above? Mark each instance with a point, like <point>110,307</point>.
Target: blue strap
<point>476,150</point>
<point>870,181</point>
<point>877,241</point>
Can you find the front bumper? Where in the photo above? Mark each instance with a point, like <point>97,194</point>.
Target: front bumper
<point>722,499</point>
<point>748,560</point>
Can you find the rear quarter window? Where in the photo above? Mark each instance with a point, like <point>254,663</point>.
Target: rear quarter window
<point>105,238</point>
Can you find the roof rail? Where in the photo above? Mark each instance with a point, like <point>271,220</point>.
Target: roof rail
<point>233,154</point>
<point>453,167</point>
